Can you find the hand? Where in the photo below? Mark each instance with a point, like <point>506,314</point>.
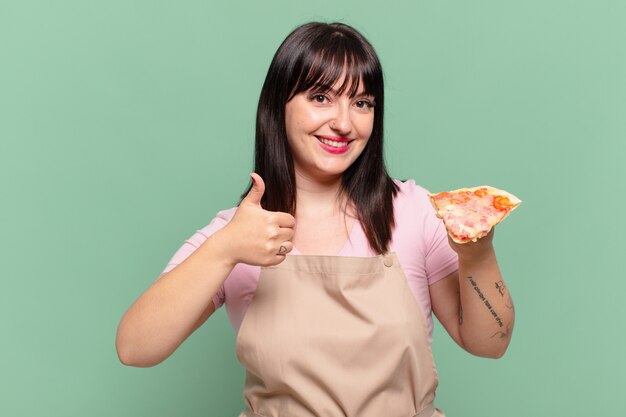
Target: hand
<point>256,236</point>
<point>474,251</point>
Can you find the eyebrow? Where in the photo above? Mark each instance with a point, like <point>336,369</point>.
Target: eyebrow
<point>363,94</point>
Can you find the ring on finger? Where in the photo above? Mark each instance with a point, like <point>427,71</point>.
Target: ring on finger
<point>282,250</point>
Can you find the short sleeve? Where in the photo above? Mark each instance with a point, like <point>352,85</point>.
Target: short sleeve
<point>195,241</point>
<point>440,259</point>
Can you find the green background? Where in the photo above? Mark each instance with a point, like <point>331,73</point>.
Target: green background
<point>125,126</point>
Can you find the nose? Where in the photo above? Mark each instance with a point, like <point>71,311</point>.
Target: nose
<point>341,121</point>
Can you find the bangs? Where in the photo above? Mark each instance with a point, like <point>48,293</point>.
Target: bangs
<point>331,58</point>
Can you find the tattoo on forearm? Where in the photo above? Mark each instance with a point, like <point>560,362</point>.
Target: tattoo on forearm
<point>503,334</point>
<point>487,303</point>
<point>501,288</point>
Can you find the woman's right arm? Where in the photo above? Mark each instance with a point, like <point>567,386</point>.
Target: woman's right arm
<point>173,307</point>
<point>178,302</point>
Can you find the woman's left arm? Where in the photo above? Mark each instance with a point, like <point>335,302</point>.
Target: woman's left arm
<point>474,304</point>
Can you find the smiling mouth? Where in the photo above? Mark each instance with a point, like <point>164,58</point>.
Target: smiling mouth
<point>333,143</point>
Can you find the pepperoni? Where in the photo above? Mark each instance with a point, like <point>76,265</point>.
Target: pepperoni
<point>481,192</point>
<point>502,202</point>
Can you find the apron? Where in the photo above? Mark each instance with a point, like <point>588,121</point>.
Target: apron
<point>331,336</point>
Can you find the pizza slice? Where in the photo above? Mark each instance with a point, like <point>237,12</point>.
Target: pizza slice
<point>470,213</point>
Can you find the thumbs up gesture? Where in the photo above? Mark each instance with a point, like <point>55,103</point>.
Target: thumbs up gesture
<point>256,236</point>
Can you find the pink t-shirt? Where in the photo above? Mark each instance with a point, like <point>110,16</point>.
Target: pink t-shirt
<point>419,241</point>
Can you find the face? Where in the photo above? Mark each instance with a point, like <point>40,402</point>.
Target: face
<point>327,132</point>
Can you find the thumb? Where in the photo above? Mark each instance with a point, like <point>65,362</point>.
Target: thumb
<point>256,192</point>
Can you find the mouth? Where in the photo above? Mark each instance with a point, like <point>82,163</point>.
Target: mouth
<point>334,142</point>
<point>334,145</point>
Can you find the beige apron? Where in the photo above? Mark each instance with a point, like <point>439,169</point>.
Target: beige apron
<point>330,336</point>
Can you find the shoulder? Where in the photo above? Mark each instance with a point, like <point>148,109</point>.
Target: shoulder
<point>410,187</point>
<point>221,219</point>
<point>412,194</point>
<point>199,237</point>
<point>414,213</point>
<point>225,216</point>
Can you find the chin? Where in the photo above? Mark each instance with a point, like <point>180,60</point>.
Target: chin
<point>330,173</point>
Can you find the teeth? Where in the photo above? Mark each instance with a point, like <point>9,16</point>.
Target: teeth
<point>333,143</point>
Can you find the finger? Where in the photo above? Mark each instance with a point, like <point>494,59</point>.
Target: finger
<point>284,248</point>
<point>284,234</point>
<point>285,219</point>
<point>256,192</point>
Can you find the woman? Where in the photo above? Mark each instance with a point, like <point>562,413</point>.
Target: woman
<point>334,265</point>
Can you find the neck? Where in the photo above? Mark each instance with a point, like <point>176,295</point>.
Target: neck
<point>315,196</point>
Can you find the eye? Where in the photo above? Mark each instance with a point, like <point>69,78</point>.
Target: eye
<point>365,104</point>
<point>319,98</point>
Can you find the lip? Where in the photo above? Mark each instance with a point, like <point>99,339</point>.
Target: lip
<point>332,149</point>
<point>335,138</point>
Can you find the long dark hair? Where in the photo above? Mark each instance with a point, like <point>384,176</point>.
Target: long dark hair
<point>315,55</point>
